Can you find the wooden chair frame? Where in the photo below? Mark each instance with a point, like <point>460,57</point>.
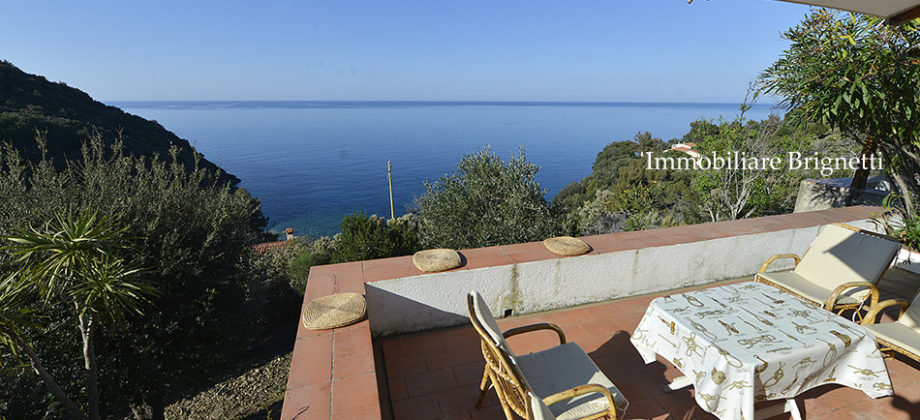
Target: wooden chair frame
<point>885,345</point>
<point>831,303</point>
<point>506,377</point>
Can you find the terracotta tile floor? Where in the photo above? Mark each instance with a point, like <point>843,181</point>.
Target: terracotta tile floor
<point>436,374</point>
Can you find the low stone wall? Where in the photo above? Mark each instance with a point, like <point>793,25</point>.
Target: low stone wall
<point>620,265</point>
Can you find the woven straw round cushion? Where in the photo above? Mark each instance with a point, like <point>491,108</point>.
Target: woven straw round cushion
<point>334,311</point>
<point>431,260</point>
<point>566,245</point>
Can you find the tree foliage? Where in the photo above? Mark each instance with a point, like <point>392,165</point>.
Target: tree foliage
<point>622,193</point>
<point>366,237</point>
<point>740,191</point>
<point>300,258</point>
<point>604,172</point>
<point>73,259</point>
<point>485,202</point>
<point>862,76</point>
<point>192,233</point>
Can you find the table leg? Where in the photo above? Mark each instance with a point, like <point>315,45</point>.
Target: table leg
<point>789,406</point>
<point>678,383</point>
<point>793,408</point>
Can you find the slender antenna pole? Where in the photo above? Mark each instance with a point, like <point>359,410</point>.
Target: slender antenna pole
<point>390,179</point>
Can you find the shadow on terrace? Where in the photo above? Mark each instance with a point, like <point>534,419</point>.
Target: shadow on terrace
<point>416,357</point>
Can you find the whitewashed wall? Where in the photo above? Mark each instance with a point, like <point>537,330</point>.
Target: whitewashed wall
<point>436,300</point>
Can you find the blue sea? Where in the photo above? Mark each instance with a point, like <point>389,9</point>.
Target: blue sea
<point>310,163</point>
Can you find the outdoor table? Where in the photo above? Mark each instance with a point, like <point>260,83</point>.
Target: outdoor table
<point>749,342</point>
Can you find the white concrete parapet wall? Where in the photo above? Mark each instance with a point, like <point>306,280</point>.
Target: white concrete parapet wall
<point>428,301</point>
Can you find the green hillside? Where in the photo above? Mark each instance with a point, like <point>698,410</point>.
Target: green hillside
<point>29,102</point>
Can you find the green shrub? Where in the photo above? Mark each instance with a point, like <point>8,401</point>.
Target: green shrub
<point>366,237</point>
<point>316,252</point>
<point>485,202</point>
<point>362,238</point>
<point>192,233</point>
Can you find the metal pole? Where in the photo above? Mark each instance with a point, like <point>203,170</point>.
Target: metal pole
<point>390,179</point>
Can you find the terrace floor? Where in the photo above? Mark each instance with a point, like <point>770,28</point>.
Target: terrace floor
<point>436,374</point>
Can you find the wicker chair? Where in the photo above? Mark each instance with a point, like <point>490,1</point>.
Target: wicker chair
<point>838,271</point>
<point>903,335</point>
<point>558,383</point>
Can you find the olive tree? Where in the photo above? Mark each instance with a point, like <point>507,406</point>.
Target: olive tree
<point>485,202</point>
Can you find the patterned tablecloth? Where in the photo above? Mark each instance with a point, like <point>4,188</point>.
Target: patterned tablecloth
<point>748,342</point>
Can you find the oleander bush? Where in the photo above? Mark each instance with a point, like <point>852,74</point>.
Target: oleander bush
<point>861,76</point>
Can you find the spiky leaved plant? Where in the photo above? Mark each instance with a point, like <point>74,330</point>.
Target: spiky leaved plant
<point>74,259</point>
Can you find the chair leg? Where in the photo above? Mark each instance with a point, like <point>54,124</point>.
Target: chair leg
<point>483,387</point>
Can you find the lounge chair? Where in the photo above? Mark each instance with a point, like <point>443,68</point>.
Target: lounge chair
<point>838,271</point>
<point>558,383</point>
<point>903,335</point>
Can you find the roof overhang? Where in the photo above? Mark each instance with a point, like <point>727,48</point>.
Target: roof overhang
<point>895,12</point>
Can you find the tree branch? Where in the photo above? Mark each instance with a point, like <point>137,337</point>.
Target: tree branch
<point>39,369</point>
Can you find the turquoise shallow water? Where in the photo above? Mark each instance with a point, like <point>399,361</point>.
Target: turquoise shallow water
<point>310,163</point>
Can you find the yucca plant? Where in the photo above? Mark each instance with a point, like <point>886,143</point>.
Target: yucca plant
<point>74,259</point>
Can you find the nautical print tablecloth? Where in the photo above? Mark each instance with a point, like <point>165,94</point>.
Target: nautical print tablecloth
<point>749,342</point>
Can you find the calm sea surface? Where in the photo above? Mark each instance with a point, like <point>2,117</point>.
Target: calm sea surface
<point>310,163</point>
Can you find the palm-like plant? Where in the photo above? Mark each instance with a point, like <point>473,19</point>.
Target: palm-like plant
<point>74,258</point>
<point>15,315</point>
<point>61,250</point>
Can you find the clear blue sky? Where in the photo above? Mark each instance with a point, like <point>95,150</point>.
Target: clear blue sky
<point>603,50</point>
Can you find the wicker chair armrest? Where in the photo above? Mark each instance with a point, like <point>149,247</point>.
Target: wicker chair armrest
<point>870,317</point>
<point>582,390</point>
<point>763,268</point>
<point>536,327</point>
<point>873,293</point>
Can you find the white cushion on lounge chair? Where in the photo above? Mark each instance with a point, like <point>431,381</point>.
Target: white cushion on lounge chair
<point>812,291</point>
<point>898,334</point>
<point>564,367</point>
<point>911,317</point>
<point>840,255</point>
<point>905,332</point>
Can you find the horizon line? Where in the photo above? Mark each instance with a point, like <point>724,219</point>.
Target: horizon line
<point>415,101</point>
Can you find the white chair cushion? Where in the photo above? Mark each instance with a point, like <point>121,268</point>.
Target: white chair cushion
<point>898,334</point>
<point>811,291</point>
<point>840,255</point>
<point>540,411</point>
<point>564,367</point>
<point>911,317</point>
<point>484,316</point>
